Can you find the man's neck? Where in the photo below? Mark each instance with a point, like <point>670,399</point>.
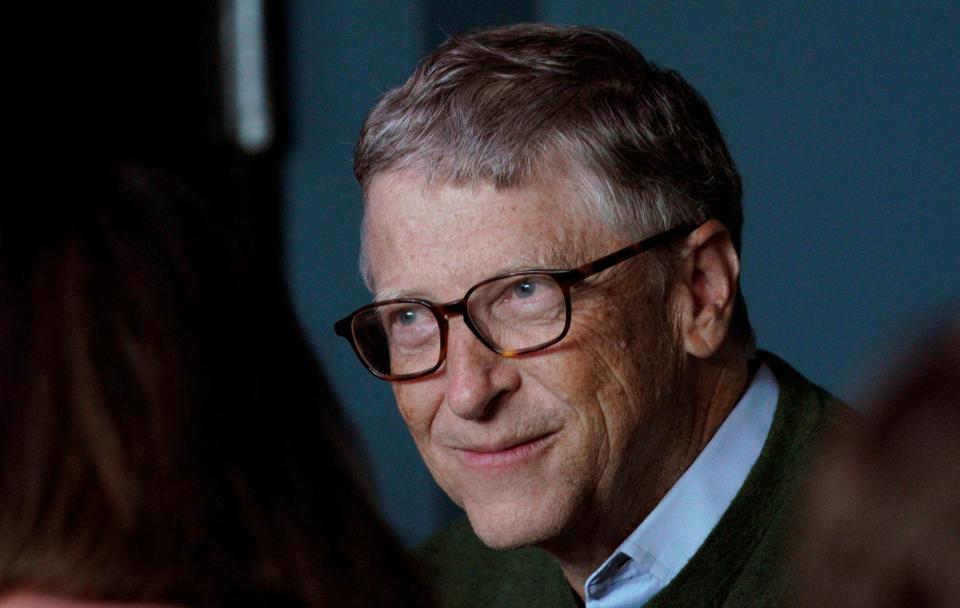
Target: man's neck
<point>720,382</point>
<point>717,385</point>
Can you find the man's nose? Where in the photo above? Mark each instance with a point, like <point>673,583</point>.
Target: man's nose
<point>476,376</point>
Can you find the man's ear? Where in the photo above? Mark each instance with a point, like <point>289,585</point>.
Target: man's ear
<point>705,289</point>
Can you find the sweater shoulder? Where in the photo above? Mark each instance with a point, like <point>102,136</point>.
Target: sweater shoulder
<point>465,573</point>
<point>741,563</point>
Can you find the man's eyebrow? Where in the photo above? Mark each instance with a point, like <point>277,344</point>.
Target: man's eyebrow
<point>554,256</point>
<point>393,294</point>
<point>521,265</point>
<point>550,257</point>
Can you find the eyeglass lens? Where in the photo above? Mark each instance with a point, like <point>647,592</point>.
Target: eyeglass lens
<point>514,313</point>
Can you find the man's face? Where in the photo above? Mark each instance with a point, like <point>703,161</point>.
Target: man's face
<point>550,446</point>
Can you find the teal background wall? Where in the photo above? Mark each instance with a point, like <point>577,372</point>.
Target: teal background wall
<point>842,116</point>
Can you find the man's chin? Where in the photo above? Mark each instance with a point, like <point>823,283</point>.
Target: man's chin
<point>512,528</point>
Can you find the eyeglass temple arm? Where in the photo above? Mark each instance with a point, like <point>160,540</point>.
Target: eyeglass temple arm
<point>621,255</point>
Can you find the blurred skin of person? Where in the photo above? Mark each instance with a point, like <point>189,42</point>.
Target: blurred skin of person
<point>880,525</point>
<point>552,238</point>
<point>166,436</point>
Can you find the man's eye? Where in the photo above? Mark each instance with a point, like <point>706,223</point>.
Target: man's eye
<point>407,317</point>
<point>524,288</point>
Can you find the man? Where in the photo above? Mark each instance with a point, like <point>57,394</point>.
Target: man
<point>603,419</point>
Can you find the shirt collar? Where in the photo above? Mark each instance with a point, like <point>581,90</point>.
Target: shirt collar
<point>669,536</point>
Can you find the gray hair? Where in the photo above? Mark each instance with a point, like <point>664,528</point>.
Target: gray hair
<point>500,105</point>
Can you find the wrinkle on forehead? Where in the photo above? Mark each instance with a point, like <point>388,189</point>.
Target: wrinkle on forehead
<point>559,172</point>
<point>446,242</point>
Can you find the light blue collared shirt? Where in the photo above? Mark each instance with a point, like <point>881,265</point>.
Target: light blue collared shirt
<point>666,540</point>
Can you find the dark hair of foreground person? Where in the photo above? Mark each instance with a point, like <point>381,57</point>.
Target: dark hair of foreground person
<point>166,435</point>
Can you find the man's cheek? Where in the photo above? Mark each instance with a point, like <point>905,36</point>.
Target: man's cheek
<point>416,404</point>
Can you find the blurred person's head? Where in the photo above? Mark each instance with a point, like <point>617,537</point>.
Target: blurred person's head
<point>165,433</point>
<point>880,523</point>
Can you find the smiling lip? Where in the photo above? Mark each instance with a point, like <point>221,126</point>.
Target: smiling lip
<point>512,454</point>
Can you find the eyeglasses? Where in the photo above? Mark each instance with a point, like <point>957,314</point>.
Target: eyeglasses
<point>511,314</point>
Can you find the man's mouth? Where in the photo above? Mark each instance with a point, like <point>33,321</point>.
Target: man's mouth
<point>505,453</point>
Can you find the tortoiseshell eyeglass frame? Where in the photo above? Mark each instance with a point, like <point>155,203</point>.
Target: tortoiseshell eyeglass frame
<point>564,278</point>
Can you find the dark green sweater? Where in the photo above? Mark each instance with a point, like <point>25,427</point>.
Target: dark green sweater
<point>739,564</point>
